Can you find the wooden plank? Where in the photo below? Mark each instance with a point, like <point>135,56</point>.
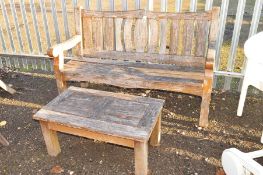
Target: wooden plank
<point>134,77</point>
<point>201,38</point>
<point>118,35</point>
<point>153,36</point>
<point>188,37</point>
<point>140,35</point>
<point>63,110</point>
<point>97,33</point>
<point>51,139</point>
<point>163,36</point>
<point>108,34</point>
<point>148,14</point>
<point>174,38</point>
<point>128,39</point>
<point>88,46</point>
<point>150,57</point>
<point>141,158</point>
<point>92,135</point>
<point>112,129</point>
<point>163,67</point>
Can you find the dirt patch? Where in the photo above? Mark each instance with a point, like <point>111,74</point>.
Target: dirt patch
<point>184,148</point>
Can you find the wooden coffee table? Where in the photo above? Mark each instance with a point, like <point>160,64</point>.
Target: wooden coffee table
<point>116,118</point>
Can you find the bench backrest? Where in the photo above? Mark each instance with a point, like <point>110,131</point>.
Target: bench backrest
<point>146,33</point>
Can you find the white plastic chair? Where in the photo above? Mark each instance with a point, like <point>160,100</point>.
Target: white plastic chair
<point>235,162</point>
<point>254,71</point>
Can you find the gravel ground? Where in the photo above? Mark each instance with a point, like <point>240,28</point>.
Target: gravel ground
<point>185,148</point>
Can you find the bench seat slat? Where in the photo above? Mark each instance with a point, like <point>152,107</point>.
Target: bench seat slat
<point>150,57</point>
<point>136,75</point>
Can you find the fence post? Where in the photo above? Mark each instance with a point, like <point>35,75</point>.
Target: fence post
<point>178,5</point>
<point>235,40</point>
<point>193,5</point>
<point>222,25</point>
<point>8,62</point>
<point>208,5</point>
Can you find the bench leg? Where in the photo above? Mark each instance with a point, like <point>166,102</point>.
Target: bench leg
<point>61,83</point>
<point>206,98</point>
<point>51,139</point>
<point>141,158</point>
<point>156,134</point>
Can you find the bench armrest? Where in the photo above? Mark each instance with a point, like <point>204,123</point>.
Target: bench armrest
<point>58,49</point>
<point>210,59</point>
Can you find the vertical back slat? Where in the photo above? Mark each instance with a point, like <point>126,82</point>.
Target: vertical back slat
<point>87,35</point>
<point>201,37</point>
<point>128,23</point>
<point>174,37</point>
<point>153,36</point>
<point>118,35</point>
<point>188,36</point>
<point>162,36</point>
<point>97,32</point>
<point>140,35</point>
<point>109,33</point>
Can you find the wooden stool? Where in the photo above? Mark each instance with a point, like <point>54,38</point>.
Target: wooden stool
<point>111,117</point>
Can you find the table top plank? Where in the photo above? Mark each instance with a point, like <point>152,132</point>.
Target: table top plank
<point>109,113</point>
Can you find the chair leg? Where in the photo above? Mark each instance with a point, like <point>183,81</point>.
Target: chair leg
<point>242,98</point>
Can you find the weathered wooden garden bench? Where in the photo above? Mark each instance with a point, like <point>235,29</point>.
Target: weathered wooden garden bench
<point>143,49</point>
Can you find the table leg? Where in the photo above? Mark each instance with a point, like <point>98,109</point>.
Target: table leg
<point>156,134</point>
<point>141,158</point>
<point>51,139</point>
